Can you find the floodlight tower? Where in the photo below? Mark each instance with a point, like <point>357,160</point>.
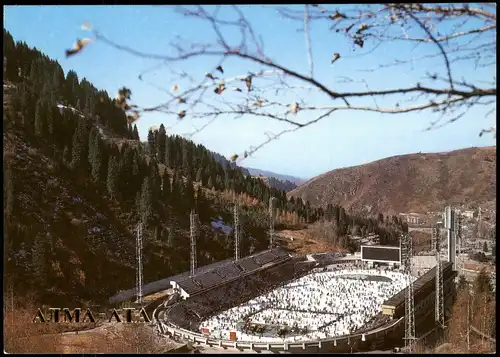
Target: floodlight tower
<point>439,298</point>
<point>272,202</point>
<point>449,224</point>
<point>406,257</point>
<point>236,232</point>
<point>193,232</point>
<point>139,276</point>
<point>458,240</point>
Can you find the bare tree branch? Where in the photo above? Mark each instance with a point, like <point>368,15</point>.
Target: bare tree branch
<point>461,33</point>
<point>308,41</point>
<point>443,52</point>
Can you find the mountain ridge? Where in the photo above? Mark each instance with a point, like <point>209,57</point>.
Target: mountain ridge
<point>282,177</point>
<point>402,183</point>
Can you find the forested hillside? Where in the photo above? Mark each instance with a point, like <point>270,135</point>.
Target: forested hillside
<point>77,181</point>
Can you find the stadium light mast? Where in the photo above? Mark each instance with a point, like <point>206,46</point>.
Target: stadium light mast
<point>449,225</point>
<point>479,235</point>
<point>272,202</point>
<point>139,276</point>
<point>407,255</point>
<point>193,232</point>
<point>236,232</point>
<point>459,243</point>
<point>439,298</point>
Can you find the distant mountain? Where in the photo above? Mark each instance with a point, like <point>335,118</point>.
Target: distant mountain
<point>223,161</point>
<point>256,172</point>
<point>286,186</point>
<point>409,183</point>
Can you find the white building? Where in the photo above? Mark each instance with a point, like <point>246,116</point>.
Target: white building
<point>467,213</point>
<point>412,218</point>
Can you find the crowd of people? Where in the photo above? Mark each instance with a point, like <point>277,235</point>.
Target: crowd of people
<point>332,303</point>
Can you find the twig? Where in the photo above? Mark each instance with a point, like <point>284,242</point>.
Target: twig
<point>308,41</point>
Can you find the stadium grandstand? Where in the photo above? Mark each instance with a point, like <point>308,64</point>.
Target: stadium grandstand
<point>277,302</point>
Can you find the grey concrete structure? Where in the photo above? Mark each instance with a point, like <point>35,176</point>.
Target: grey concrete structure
<point>163,284</point>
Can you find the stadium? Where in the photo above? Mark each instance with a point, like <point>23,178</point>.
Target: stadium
<point>327,302</point>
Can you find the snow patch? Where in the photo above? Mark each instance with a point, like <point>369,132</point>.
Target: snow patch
<point>220,225</point>
<point>62,107</point>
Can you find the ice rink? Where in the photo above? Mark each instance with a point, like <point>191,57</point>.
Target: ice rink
<point>319,305</point>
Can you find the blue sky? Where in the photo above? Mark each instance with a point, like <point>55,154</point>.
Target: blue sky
<point>344,139</point>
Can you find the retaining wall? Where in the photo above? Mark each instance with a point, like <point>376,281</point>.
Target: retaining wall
<point>339,344</point>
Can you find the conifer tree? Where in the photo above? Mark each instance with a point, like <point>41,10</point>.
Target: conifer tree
<point>189,193</point>
<point>97,158</point>
<point>51,117</point>
<point>166,189</point>
<point>146,204</point>
<point>9,191</point>
<point>161,144</point>
<point>130,131</point>
<point>482,284</point>
<point>112,180</point>
<point>186,159</point>
<point>80,146</point>
<point>39,119</point>
<point>136,133</point>
<point>169,153</point>
<point>219,184</point>
<point>154,176</point>
<point>151,143</point>
<point>66,155</point>
<point>199,175</point>
<point>210,183</point>
<point>92,144</point>
<point>40,262</point>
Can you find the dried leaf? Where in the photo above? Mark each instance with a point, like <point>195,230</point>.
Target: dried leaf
<point>175,88</point>
<point>209,75</point>
<point>258,103</point>
<point>220,88</point>
<point>336,56</point>
<point>181,114</point>
<point>234,157</point>
<point>248,82</point>
<point>294,108</point>
<point>337,15</point>
<point>124,92</point>
<point>359,41</point>
<point>134,117</point>
<point>86,27</point>
<point>78,46</point>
